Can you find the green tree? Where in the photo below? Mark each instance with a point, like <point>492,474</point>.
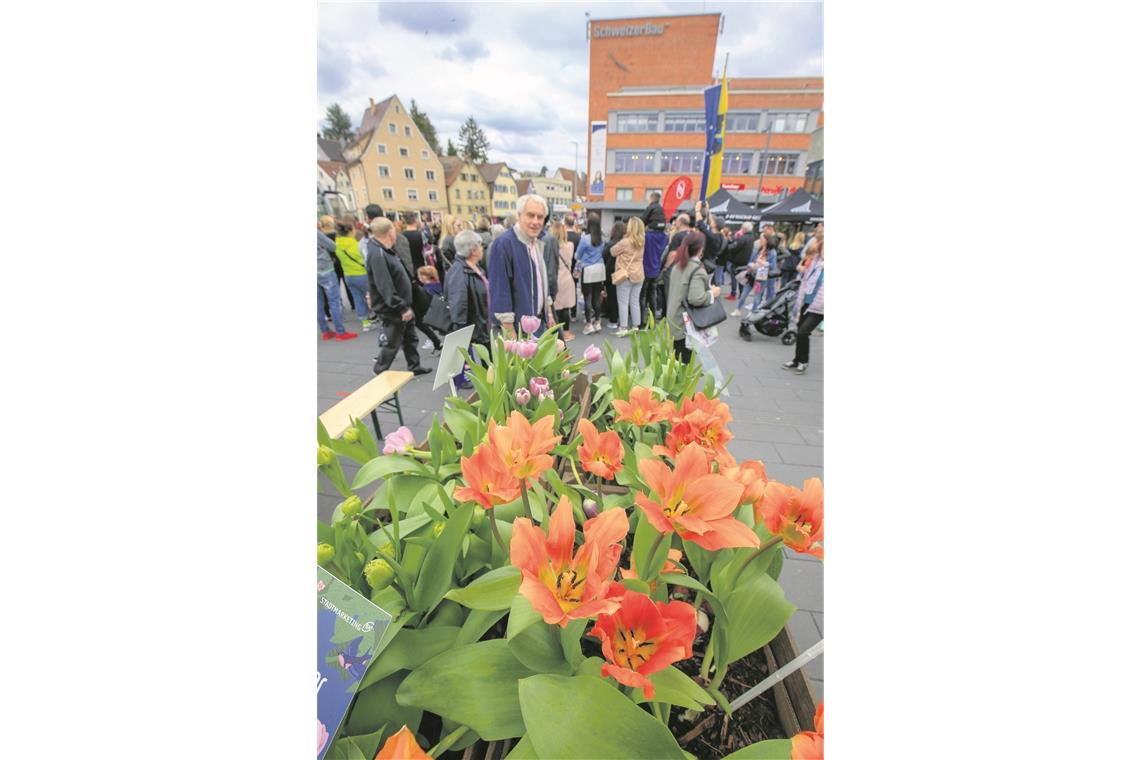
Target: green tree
<point>451,151</point>
<point>473,144</point>
<point>542,171</point>
<point>337,124</point>
<point>426,127</point>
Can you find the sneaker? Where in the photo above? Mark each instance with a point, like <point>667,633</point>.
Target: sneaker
<point>436,350</point>
<point>328,335</point>
<point>613,325</point>
<point>345,336</point>
<point>421,370</point>
<point>365,325</point>
<point>795,366</point>
<point>730,297</point>
<point>621,333</point>
<point>425,345</point>
<point>734,313</point>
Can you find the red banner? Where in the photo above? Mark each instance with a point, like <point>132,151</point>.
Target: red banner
<point>678,191</point>
<point>731,186</point>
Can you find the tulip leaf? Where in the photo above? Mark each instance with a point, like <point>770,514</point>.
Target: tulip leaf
<point>523,616</point>
<point>591,666</point>
<point>408,525</point>
<point>756,611</point>
<point>477,623</point>
<point>583,716</point>
<point>571,637</point>
<point>350,450</point>
<point>524,750</point>
<point>385,466</point>
<point>492,591</point>
<point>435,576</point>
<point>346,749</point>
<point>539,647</point>
<point>701,560</point>
<point>633,584</point>
<point>323,437</point>
<point>769,749</point>
<point>675,688</point>
<point>366,744</point>
<point>410,648</point>
<point>376,705</point>
<point>777,565</point>
<point>460,422</point>
<point>644,539</point>
<point>476,685</point>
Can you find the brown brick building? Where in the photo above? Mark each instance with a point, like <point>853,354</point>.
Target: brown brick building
<point>647,77</point>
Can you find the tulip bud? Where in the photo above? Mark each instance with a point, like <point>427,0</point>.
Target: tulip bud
<point>352,435</point>
<point>389,549</point>
<point>325,456</point>
<point>359,557</point>
<point>590,507</point>
<point>561,344</point>
<point>592,353</point>
<point>437,528</point>
<point>510,346</point>
<point>702,621</point>
<point>379,574</point>
<point>491,374</point>
<point>538,385</point>
<point>477,518</point>
<point>522,397</point>
<point>351,506</point>
<point>530,324</point>
<point>325,554</point>
<point>565,374</point>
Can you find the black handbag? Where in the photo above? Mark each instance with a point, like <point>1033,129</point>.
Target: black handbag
<point>438,317</point>
<point>704,317</point>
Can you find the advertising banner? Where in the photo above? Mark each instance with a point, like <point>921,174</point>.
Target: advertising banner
<point>349,630</point>
<point>597,157</point>
<point>677,193</point>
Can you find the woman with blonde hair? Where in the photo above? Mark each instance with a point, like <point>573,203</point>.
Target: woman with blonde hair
<point>567,293</point>
<point>447,233</point>
<point>629,274</point>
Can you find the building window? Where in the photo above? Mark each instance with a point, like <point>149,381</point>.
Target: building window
<point>423,155</point>
<point>409,173</point>
<point>381,149</point>
<point>397,109</point>
<point>431,174</point>
<point>387,193</point>
<point>468,195</point>
<point>788,122</point>
<point>412,194</point>
<point>433,195</point>
<point>457,193</point>
<point>384,172</point>
<point>635,122</point>
<point>736,162</point>
<point>403,152</point>
<point>625,193</point>
<point>391,127</point>
<point>781,163</point>
<point>407,131</point>
<point>682,161</point>
<point>633,161</point>
<point>742,122</point>
<point>684,122</point>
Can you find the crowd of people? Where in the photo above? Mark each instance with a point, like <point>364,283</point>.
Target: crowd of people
<point>529,264</point>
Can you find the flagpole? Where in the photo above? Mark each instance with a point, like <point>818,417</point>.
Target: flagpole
<point>763,162</point>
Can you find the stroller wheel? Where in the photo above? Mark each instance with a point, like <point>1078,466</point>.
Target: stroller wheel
<point>745,332</point>
<point>788,338</point>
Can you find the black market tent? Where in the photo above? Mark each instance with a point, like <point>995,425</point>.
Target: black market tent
<point>800,206</point>
<point>728,209</point>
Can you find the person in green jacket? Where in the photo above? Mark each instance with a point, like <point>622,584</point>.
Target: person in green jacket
<point>355,270</point>
<point>688,280</point>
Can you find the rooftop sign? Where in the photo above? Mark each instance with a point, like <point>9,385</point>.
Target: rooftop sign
<point>630,30</point>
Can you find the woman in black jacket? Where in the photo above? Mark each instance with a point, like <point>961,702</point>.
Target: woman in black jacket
<point>466,287</point>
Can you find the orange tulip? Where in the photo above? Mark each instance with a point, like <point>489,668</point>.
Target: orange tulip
<point>672,558</point>
<point>488,481</point>
<point>643,637</point>
<point>694,502</point>
<point>752,476</point>
<point>641,409</point>
<point>808,745</point>
<point>402,746</point>
<point>560,583</point>
<point>794,515</point>
<point>714,408</point>
<point>703,428</point>
<point>602,453</point>
<point>525,448</point>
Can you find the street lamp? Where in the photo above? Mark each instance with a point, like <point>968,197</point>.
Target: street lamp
<point>575,169</point>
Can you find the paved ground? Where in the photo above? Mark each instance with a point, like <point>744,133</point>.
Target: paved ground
<point>777,418</point>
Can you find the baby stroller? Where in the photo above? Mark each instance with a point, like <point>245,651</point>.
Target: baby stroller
<point>775,317</point>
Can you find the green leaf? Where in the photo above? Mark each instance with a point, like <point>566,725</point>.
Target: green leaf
<point>460,422</point>
<point>571,637</point>
<point>539,647</point>
<point>477,623</point>
<point>367,744</point>
<point>777,565</point>
<point>350,450</point>
<point>439,565</point>
<point>322,434</point>
<point>756,612</point>
<point>410,648</point>
<point>675,688</point>
<point>523,616</point>
<point>769,749</point>
<point>376,706</point>
<point>583,716</point>
<point>476,685</point>
<point>387,465</point>
<point>644,537</point>
<point>700,559</point>
<point>633,584</point>
<point>524,750</point>
<point>492,591</point>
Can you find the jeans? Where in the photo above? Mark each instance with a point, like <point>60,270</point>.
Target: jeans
<point>647,300</point>
<point>808,322</point>
<point>329,287</point>
<point>770,288</point>
<point>357,285</point>
<point>592,293</point>
<point>629,311</point>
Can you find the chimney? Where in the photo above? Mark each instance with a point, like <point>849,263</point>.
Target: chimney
<point>371,103</point>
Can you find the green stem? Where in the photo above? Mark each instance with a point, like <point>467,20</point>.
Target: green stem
<point>601,499</point>
<point>447,741</point>
<point>574,469</point>
<point>763,548</point>
<point>496,534</point>
<point>706,663</point>
<point>652,553</point>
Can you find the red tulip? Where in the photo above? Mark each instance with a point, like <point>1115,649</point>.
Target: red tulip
<point>794,515</point>
<point>643,637</point>
<point>808,745</point>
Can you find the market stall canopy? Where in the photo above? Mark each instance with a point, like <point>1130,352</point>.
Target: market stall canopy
<point>728,209</point>
<point>800,206</point>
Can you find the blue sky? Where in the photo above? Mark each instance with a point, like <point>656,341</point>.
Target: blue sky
<point>521,69</point>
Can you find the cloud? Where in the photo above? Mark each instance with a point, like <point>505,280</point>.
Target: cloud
<point>445,19</point>
<point>465,50</point>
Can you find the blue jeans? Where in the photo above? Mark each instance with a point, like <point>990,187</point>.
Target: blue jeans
<point>769,289</point>
<point>357,284</point>
<point>328,282</point>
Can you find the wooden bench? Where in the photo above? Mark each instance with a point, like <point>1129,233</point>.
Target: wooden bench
<point>381,391</point>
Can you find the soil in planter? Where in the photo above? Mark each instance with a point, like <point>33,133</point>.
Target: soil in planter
<point>711,734</point>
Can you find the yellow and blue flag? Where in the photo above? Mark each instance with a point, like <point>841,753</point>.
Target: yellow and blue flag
<point>716,106</point>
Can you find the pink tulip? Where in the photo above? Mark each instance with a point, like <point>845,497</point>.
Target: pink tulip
<point>320,586</point>
<point>590,507</point>
<point>592,353</point>
<point>522,397</point>
<point>527,349</point>
<point>322,736</point>
<point>561,344</point>
<point>538,385</point>
<point>510,346</point>
<point>400,441</point>
<point>530,325</point>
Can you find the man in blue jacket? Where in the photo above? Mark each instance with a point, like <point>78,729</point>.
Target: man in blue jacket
<point>655,242</point>
<point>516,270</point>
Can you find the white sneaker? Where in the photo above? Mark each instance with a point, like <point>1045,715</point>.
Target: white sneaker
<point>734,313</point>
<point>621,333</point>
<point>426,345</point>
